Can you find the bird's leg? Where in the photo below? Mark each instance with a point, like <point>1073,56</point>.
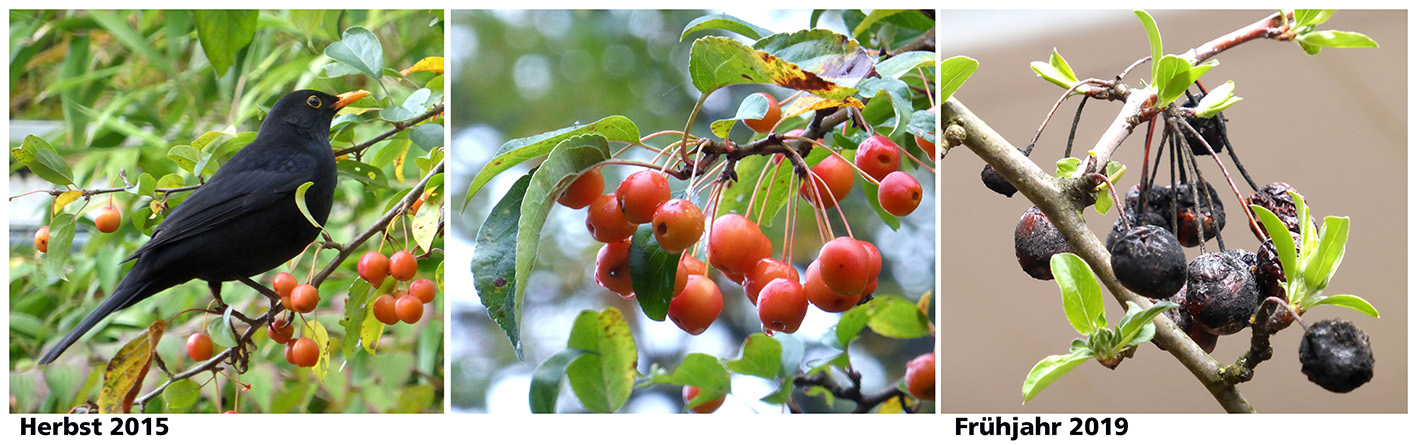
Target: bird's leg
<point>215,286</point>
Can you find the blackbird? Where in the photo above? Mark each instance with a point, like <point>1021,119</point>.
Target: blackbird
<point>243,221</point>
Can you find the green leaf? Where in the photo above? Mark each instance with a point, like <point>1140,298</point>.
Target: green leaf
<point>36,153</point>
<point>652,273</point>
<point>1311,17</point>
<point>890,315</point>
<point>1320,266</point>
<point>901,108</point>
<point>1172,79</point>
<point>698,370</point>
<point>1082,296</point>
<point>1050,369</point>
<point>546,380</point>
<point>132,39</point>
<point>1114,170</point>
<point>1136,327</point>
<point>185,156</point>
<point>904,63</point>
<point>180,395</point>
<point>603,378</point>
<point>317,22</point>
<point>1217,100</point>
<point>1283,243</point>
<point>724,22</point>
<point>953,72</point>
<point>1056,70</point>
<point>872,192</point>
<point>494,263</point>
<point>302,205</point>
<point>761,357</point>
<point>61,238</point>
<point>1068,168</point>
<point>223,32</point>
<point>615,128</point>
<point>755,106</point>
<point>1348,301</point>
<point>1153,38</point>
<point>871,19</point>
<point>1336,39</point>
<point>427,136</point>
<point>358,50</point>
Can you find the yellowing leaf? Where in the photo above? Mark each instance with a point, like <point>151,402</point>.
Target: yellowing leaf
<point>891,406</point>
<point>316,331</point>
<point>65,198</point>
<point>124,376</point>
<point>430,64</point>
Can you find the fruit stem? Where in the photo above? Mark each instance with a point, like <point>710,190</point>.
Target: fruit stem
<point>1116,202</point>
<point>1178,124</point>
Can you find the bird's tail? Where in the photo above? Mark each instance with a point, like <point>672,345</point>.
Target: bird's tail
<point>128,292</point>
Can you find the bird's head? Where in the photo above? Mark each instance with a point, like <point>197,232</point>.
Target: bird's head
<point>309,110</point>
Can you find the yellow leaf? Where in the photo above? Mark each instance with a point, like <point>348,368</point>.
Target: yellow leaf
<point>924,303</point>
<point>124,376</point>
<point>65,198</point>
<point>891,406</point>
<point>316,331</point>
<point>431,64</point>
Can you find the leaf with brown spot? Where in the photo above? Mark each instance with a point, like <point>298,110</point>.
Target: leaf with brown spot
<point>124,376</point>
<point>716,62</point>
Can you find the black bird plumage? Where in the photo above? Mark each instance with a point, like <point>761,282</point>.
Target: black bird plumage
<point>244,220</point>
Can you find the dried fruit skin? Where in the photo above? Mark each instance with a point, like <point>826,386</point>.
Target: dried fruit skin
<point>1036,240</point>
<point>1336,356</point>
<point>996,182</point>
<point>1275,198</point>
<point>1221,293</point>
<point>1149,261</point>
<point>1209,128</point>
<point>1193,214</point>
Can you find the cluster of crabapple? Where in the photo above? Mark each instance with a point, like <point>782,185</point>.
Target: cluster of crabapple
<point>107,221</point>
<point>402,305</point>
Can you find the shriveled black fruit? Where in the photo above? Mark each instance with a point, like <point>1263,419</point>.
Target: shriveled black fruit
<point>1036,240</point>
<point>1182,318</point>
<point>1336,355</point>
<point>1244,256</point>
<point>1221,292</point>
<point>1157,201</point>
<point>996,182</point>
<point>1209,128</point>
<point>1275,198</point>
<point>1269,272</point>
<point>1192,215</point>
<point>1149,261</point>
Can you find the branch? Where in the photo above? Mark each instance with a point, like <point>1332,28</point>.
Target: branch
<point>347,249</point>
<point>1052,196</point>
<point>864,402</point>
<point>398,126</point>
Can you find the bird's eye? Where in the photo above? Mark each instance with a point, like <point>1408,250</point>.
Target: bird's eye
<point>313,102</point>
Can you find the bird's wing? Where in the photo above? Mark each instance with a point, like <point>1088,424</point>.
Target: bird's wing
<point>229,197</point>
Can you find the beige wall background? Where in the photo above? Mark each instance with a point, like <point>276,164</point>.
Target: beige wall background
<point>1331,125</point>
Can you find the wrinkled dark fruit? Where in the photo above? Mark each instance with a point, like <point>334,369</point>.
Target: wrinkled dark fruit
<point>1221,293</point>
<point>1149,261</point>
<point>1036,240</point>
<point>1269,272</point>
<point>1336,355</point>
<point>1136,220</point>
<point>1275,198</point>
<point>1182,318</point>
<point>996,182</point>
<point>1157,201</point>
<point>1209,128</point>
<point>1192,214</point>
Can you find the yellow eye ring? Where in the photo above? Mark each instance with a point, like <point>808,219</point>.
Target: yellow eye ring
<point>313,102</point>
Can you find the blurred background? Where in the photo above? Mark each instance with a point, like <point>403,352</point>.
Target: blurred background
<point>1331,125</point>
<point>522,73</point>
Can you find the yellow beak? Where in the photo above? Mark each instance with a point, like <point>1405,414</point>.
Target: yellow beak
<point>349,98</point>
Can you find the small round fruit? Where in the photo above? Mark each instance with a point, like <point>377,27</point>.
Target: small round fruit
<point>612,268</point>
<point>409,309</point>
<point>283,284</point>
<point>844,266</point>
<point>280,331</point>
<point>767,270</point>
<point>1149,261</point>
<point>386,310</point>
<point>108,219</point>
<point>769,120</point>
<point>832,179</point>
<point>373,268</point>
<point>304,298</point>
<point>424,289</point>
<point>583,190</point>
<point>920,376</point>
<point>304,352</point>
<point>736,244</point>
<point>41,239</point>
<point>782,305</point>
<point>199,347</point>
<point>899,193</point>
<point>1036,240</point>
<point>640,194</point>
<point>690,392</point>
<point>605,222</point>
<point>927,146</point>
<point>1221,292</point>
<point>403,266</point>
<point>694,309</point>
<point>878,156</point>
<point>823,297</point>
<point>1336,355</point>
<point>688,265</point>
<point>290,352</point>
<point>678,224</point>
